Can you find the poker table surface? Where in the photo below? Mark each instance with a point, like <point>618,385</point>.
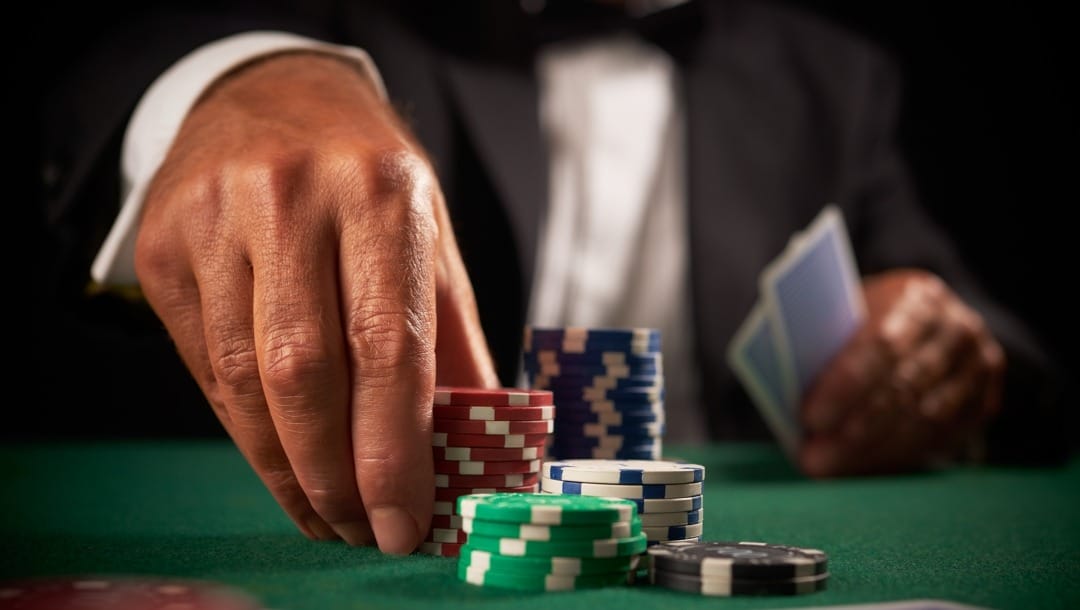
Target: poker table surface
<point>996,537</point>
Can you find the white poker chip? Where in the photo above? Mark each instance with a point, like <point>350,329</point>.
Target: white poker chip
<point>604,490</point>
<point>624,472</point>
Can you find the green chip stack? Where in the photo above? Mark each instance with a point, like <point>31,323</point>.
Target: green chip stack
<point>540,542</point>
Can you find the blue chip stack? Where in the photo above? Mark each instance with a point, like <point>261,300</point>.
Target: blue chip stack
<point>608,388</point>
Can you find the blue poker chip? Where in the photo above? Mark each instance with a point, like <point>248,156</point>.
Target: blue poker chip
<point>599,453</point>
<point>570,437</point>
<point>587,430</point>
<point>624,395</point>
<point>580,382</point>
<point>609,406</point>
<point>617,371</point>
<point>580,340</point>
<point>613,418</point>
<point>625,472</point>
<point>600,358</point>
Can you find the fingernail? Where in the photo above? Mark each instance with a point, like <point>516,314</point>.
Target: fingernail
<point>356,533</point>
<point>395,530</point>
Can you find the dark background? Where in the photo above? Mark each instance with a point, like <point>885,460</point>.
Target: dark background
<point>990,127</point>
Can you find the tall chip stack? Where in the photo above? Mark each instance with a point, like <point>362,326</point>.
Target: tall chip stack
<point>484,441</point>
<point>667,494</point>
<point>608,384</point>
<point>540,542</point>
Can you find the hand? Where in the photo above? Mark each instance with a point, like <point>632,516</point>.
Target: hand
<point>920,377</point>
<point>297,247</point>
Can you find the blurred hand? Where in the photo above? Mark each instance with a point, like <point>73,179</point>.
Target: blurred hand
<point>916,382</point>
<point>297,247</point>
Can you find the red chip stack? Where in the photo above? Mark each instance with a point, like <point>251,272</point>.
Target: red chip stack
<point>484,441</point>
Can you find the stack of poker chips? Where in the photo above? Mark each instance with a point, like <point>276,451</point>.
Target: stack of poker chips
<point>667,494</point>
<point>539,542</point>
<point>737,568</point>
<point>608,385</point>
<point>484,441</point>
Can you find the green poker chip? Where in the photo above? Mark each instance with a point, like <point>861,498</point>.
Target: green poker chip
<point>561,566</point>
<point>610,547</point>
<point>539,582</point>
<point>545,509</point>
<point>532,531</point>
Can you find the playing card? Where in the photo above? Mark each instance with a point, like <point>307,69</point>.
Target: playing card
<point>752,355</point>
<point>813,299</point>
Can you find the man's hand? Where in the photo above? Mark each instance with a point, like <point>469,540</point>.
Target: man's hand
<point>916,382</point>
<point>297,247</point>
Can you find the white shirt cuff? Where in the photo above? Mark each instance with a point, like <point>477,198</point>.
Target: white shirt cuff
<point>159,115</point>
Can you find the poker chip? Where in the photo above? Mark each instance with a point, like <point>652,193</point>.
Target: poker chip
<point>576,340</point>
<point>689,517</point>
<point>502,397</point>
<point>505,441</point>
<point>486,454</point>
<point>633,395</point>
<point>494,413</point>
<point>447,535</point>
<point>624,472</point>
<point>544,509</point>
<point>673,532</point>
<point>613,418</point>
<point>478,468</point>
<point>567,566</point>
<point>442,549</point>
<point>608,406</point>
<point>494,427</point>
<point>123,593</point>
<point>667,505</point>
<point>617,371</point>
<point>531,531</point>
<point>593,358</point>
<point>602,442</point>
<point>446,521</point>
<point>679,490</point>
<point>652,451</point>
<point>727,588</point>
<point>605,547</point>
<point>527,479</point>
<point>538,582</point>
<point>451,494</point>
<point>739,560</point>
<point>585,429</point>
<point>570,382</point>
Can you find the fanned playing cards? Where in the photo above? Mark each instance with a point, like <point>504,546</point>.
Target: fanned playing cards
<point>810,304</point>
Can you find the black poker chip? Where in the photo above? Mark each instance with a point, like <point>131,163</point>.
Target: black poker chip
<point>738,560</point>
<point>721,587</point>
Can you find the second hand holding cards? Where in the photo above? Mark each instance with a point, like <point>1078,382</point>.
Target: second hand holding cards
<point>811,304</point>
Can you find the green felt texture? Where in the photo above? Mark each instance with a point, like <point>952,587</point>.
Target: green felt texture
<point>1000,538</point>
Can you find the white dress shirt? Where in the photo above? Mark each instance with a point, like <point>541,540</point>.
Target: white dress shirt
<point>613,246</point>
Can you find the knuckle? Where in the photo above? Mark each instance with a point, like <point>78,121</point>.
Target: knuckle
<point>294,358</point>
<point>392,340</point>
<point>236,366</point>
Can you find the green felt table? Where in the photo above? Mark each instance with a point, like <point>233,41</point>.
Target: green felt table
<point>994,537</point>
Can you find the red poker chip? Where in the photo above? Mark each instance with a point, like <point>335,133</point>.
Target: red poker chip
<point>503,427</point>
<point>487,454</point>
<point>449,395</point>
<point>446,521</point>
<point>122,593</point>
<point>477,468</point>
<point>493,413</point>
<point>447,535</point>
<point>506,441</point>
<point>442,549</point>
<point>486,480</point>
<point>451,494</point>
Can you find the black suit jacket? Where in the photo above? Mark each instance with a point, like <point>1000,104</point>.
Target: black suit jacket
<point>785,113</point>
